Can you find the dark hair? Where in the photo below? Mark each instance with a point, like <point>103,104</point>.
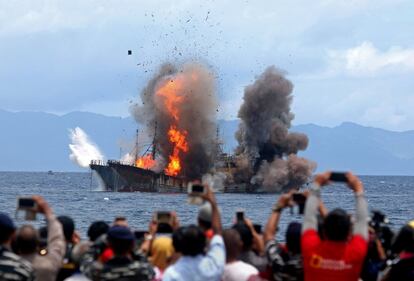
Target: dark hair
<point>26,240</point>
<point>204,224</point>
<point>68,226</point>
<point>337,225</point>
<point>245,234</point>
<point>233,244</point>
<point>404,240</point>
<point>96,229</point>
<point>293,235</point>
<point>164,228</point>
<point>5,234</point>
<point>121,246</point>
<point>189,240</point>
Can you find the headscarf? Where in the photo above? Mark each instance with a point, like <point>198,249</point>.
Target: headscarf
<point>161,251</point>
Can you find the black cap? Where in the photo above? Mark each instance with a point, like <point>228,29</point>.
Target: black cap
<point>6,222</point>
<point>121,233</point>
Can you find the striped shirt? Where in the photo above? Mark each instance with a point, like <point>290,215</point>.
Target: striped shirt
<point>14,268</point>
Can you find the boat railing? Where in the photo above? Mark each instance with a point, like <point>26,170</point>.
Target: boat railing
<point>98,162</point>
<point>125,163</point>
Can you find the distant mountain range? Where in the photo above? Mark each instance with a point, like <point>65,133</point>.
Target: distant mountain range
<point>36,141</point>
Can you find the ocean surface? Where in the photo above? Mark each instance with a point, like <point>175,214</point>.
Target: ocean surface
<point>77,195</point>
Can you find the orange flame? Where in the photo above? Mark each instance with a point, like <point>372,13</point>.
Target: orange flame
<point>171,98</point>
<point>170,92</point>
<point>179,141</point>
<point>145,162</point>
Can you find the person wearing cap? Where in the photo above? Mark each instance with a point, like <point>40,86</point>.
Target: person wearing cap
<point>72,238</point>
<point>12,267</point>
<point>123,266</point>
<point>45,267</point>
<point>402,268</point>
<point>285,260</point>
<point>196,262</point>
<point>204,219</point>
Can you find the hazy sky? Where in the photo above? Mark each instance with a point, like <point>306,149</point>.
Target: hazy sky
<point>349,60</point>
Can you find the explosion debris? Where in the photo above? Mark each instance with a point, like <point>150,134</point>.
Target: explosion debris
<point>266,155</point>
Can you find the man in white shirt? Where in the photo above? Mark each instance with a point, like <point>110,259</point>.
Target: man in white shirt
<point>196,264</point>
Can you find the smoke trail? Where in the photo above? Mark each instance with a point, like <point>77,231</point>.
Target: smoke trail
<point>267,150</point>
<point>82,148</point>
<point>194,110</point>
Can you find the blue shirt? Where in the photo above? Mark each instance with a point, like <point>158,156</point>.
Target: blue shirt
<point>201,267</point>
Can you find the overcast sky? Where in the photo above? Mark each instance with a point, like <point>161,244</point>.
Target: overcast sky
<point>349,60</point>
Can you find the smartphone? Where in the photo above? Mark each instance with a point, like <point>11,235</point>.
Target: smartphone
<point>194,192</point>
<point>299,198</point>
<point>339,177</point>
<point>240,216</point>
<point>28,205</point>
<point>197,188</point>
<point>163,217</point>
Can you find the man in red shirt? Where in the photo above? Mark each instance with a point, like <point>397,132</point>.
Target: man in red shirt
<point>340,255</point>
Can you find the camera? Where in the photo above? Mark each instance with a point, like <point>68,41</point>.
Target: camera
<point>338,177</point>
<point>240,217</point>
<point>29,206</point>
<point>300,201</point>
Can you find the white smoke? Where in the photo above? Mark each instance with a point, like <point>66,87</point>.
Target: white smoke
<point>82,148</point>
<point>128,159</point>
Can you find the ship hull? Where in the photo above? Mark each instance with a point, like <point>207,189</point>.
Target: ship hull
<point>119,177</point>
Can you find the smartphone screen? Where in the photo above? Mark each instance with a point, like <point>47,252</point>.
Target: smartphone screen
<point>163,217</point>
<point>198,188</point>
<point>338,176</point>
<point>26,203</point>
<point>240,216</point>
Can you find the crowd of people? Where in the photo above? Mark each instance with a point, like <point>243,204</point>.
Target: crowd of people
<point>326,245</point>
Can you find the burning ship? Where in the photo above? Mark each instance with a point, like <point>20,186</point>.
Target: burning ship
<point>178,107</point>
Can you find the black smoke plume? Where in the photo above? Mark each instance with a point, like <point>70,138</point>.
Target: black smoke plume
<point>266,154</point>
<point>197,115</point>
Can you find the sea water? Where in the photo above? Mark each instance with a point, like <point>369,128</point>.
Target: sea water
<point>77,195</point>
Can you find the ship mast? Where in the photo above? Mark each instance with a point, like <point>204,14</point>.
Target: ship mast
<point>136,148</point>
<point>154,143</point>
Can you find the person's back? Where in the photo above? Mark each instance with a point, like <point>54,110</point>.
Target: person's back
<point>235,269</point>
<point>122,267</point>
<point>286,260</point>
<point>339,256</point>
<point>403,267</point>
<point>195,264</point>
<point>247,255</point>
<point>125,269</point>
<point>12,267</point>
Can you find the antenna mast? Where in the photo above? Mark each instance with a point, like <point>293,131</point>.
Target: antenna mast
<point>154,143</point>
<point>136,148</point>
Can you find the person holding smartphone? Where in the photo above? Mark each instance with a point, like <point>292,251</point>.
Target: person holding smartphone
<point>285,260</point>
<point>198,262</point>
<point>340,254</point>
<point>46,267</point>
